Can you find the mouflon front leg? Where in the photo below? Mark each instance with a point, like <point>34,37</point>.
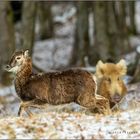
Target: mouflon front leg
<point>23,108</point>
<point>33,103</point>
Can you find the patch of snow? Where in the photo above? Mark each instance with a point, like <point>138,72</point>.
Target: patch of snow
<point>130,58</point>
<point>53,125</point>
<point>67,30</point>
<point>127,79</point>
<point>134,41</point>
<point>138,49</point>
<point>65,15</point>
<point>52,53</point>
<point>6,90</point>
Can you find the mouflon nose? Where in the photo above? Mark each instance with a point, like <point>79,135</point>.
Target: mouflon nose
<point>117,97</point>
<point>7,67</point>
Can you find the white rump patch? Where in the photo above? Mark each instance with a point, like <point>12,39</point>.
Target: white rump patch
<point>95,80</point>
<point>97,96</point>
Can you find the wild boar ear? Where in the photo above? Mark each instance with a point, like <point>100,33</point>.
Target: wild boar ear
<point>122,67</point>
<point>100,69</point>
<point>26,53</point>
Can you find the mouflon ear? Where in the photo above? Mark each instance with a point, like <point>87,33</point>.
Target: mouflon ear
<point>122,67</point>
<point>100,69</point>
<point>26,53</point>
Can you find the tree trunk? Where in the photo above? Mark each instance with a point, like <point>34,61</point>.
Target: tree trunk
<point>7,39</point>
<point>46,20</point>
<point>81,45</point>
<point>101,46</point>
<point>111,37</point>
<point>136,67</point>
<point>28,24</point>
<point>117,31</point>
<point>132,26</point>
<point>136,77</point>
<point>122,26</point>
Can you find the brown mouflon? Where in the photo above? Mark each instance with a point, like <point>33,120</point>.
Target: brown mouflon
<point>54,88</point>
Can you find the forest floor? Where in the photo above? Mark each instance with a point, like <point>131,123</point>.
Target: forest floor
<point>69,121</point>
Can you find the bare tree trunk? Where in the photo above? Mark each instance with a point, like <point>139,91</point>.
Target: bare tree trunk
<point>132,26</point>
<point>122,27</point>
<point>101,46</point>
<point>46,20</point>
<point>136,67</point>
<point>81,46</point>
<point>28,24</point>
<point>117,31</point>
<point>7,39</point>
<point>111,36</point>
<point>113,31</point>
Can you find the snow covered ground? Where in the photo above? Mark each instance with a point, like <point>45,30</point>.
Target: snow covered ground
<point>70,121</point>
<point>52,125</point>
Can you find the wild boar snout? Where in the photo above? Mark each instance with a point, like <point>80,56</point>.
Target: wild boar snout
<point>116,98</point>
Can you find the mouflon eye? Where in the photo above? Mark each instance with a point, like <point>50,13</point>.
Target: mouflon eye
<point>18,57</point>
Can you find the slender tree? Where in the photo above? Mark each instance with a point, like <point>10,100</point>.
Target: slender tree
<point>28,24</point>
<point>111,36</point>
<point>81,44</point>
<point>132,12</point>
<point>45,20</point>
<point>7,39</point>
<point>101,46</point>
<point>136,67</point>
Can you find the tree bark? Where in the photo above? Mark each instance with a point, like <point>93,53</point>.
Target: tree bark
<point>81,45</point>
<point>122,27</point>
<point>111,37</point>
<point>101,45</point>
<point>28,24</point>
<point>46,20</point>
<point>7,39</point>
<point>136,67</point>
<point>132,26</point>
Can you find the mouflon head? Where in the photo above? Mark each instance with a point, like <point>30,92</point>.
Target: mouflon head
<point>17,60</point>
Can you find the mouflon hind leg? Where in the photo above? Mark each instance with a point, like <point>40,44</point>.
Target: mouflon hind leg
<point>87,100</point>
<point>102,104</point>
<point>94,102</point>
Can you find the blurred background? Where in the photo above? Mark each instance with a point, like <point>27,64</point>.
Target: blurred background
<point>60,35</point>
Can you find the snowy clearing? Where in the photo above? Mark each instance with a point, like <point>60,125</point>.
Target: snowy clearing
<point>51,125</point>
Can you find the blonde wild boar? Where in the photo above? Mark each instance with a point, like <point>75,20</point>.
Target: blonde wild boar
<point>110,80</point>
